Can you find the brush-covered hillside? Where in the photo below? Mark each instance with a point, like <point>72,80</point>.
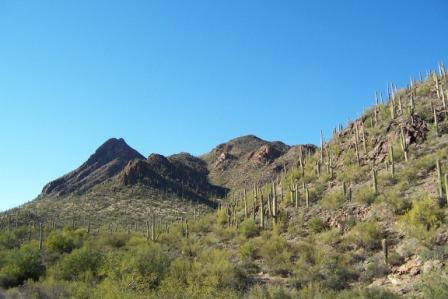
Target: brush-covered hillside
<point>119,187</point>
<point>363,216</point>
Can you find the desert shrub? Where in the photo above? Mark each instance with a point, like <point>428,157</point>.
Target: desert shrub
<point>249,228</point>
<point>364,195</point>
<point>317,225</point>
<point>395,200</point>
<point>80,264</point>
<point>225,233</point>
<point>353,173</point>
<point>215,270</point>
<point>20,265</point>
<point>296,225</point>
<point>115,240</point>
<point>394,259</point>
<point>8,240</point>
<point>366,293</point>
<point>434,286</point>
<point>270,292</point>
<point>202,224</point>
<point>249,250</point>
<point>423,90</point>
<point>333,200</point>
<point>140,268</point>
<point>221,216</point>
<point>63,242</point>
<point>147,264</point>
<point>275,253</point>
<point>374,269</point>
<point>424,216</point>
<point>365,234</point>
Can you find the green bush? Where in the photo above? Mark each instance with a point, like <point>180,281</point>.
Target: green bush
<point>214,271</point>
<point>373,270</point>
<point>146,265</point>
<point>364,195</point>
<point>434,286</point>
<point>221,216</point>
<point>276,255</point>
<point>424,216</point>
<point>80,264</point>
<point>20,265</point>
<point>395,200</point>
<point>317,225</point>
<point>63,242</point>
<point>365,234</point>
<point>8,240</point>
<point>249,250</point>
<point>249,228</point>
<point>333,200</point>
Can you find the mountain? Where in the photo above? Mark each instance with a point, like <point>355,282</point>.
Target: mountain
<point>363,216</point>
<point>248,160</point>
<point>107,161</point>
<point>118,184</point>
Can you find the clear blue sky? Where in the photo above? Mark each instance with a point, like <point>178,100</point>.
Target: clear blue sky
<point>171,76</point>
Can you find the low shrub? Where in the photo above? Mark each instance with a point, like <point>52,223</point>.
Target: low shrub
<point>365,234</point>
<point>317,225</point>
<point>249,228</point>
<point>20,265</point>
<point>424,217</point>
<point>81,264</point>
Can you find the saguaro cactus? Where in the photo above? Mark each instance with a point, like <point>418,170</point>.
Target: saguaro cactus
<point>41,236</point>
<point>293,188</point>
<point>364,141</point>
<point>436,123</point>
<point>392,160</point>
<point>321,147</point>
<point>446,187</point>
<point>374,181</point>
<point>404,144</point>
<point>245,203</point>
<point>392,110</point>
<point>385,247</point>
<point>261,211</point>
<point>439,178</point>
<point>274,203</point>
<point>307,195</point>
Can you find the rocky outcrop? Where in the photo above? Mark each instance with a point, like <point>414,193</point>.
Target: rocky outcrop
<point>267,153</point>
<point>107,161</point>
<point>415,130</point>
<point>182,174</point>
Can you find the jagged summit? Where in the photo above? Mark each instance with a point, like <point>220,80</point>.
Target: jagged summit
<point>108,160</point>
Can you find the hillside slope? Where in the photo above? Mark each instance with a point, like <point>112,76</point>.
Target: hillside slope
<point>118,185</point>
<point>364,216</point>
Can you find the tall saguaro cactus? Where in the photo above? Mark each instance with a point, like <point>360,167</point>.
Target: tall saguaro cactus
<point>374,181</point>
<point>261,211</point>
<point>245,203</point>
<point>385,246</point>
<point>404,144</point>
<point>392,160</point>
<point>41,236</point>
<point>274,203</point>
<point>439,178</point>
<point>321,147</point>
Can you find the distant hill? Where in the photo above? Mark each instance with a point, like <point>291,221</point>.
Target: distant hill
<point>117,183</point>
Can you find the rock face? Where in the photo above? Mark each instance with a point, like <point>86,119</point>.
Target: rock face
<point>244,161</point>
<point>414,129</point>
<point>268,153</point>
<point>233,164</point>
<point>181,174</point>
<point>108,160</point>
